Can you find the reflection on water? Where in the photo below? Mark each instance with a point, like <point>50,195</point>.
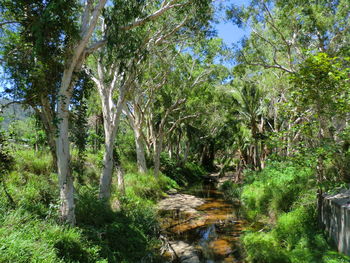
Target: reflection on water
<point>213,228</point>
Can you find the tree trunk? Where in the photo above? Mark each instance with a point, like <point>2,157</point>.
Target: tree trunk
<point>111,117</point>
<point>73,63</point>
<point>140,150</point>
<point>63,154</point>
<point>136,121</point>
<point>256,145</point>
<point>158,145</point>
<point>186,152</point>
<point>120,175</point>
<point>108,164</point>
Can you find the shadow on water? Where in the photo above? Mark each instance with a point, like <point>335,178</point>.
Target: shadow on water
<point>212,229</point>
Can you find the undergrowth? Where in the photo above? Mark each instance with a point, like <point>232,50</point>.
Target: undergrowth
<point>280,205</point>
<point>31,232</point>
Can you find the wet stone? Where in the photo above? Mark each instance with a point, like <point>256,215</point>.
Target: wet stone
<point>202,227</point>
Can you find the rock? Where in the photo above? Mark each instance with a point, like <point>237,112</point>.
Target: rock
<point>172,192</point>
<point>185,252</point>
<point>180,202</point>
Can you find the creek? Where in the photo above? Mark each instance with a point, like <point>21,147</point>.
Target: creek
<point>199,226</point>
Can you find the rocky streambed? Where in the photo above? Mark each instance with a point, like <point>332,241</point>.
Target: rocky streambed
<point>198,226</point>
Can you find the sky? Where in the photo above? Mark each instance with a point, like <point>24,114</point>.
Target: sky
<point>230,33</point>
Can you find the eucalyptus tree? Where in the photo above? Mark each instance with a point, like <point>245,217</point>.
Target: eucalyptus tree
<point>177,86</point>
<point>75,45</point>
<point>281,31</point>
<point>32,55</point>
<point>125,17</point>
<point>117,73</point>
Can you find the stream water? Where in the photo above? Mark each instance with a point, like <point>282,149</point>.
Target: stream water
<point>202,227</point>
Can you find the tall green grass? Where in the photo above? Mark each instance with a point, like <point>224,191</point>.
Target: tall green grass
<point>283,198</point>
<point>31,232</point>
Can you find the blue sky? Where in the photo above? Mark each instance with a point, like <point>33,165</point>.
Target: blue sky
<point>230,33</point>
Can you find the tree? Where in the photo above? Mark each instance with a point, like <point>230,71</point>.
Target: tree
<point>128,49</point>
<point>283,30</point>
<point>321,88</point>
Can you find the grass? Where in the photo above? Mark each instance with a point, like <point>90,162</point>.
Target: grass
<point>30,231</point>
<point>283,198</point>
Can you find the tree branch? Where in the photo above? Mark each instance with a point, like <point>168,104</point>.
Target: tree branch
<point>3,23</point>
<point>155,15</point>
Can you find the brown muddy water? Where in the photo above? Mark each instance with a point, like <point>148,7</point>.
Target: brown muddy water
<point>200,226</point>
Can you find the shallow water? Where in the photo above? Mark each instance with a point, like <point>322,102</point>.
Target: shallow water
<point>213,229</point>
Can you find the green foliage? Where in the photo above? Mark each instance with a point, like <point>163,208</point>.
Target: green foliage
<point>24,238</point>
<point>275,189</point>
<point>30,232</point>
<point>294,235</point>
<point>38,163</point>
<point>322,83</point>
<point>146,186</point>
<point>182,174</point>
<point>6,160</point>
<point>263,248</point>
<point>299,224</point>
<point>121,236</point>
<point>232,191</point>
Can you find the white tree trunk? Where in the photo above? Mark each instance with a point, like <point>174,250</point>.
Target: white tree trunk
<point>67,207</point>
<point>140,150</point>
<point>120,175</point>
<point>158,145</point>
<point>111,118</point>
<point>108,164</point>
<point>135,121</point>
<point>74,63</point>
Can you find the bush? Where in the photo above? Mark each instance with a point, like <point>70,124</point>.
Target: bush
<point>24,238</point>
<point>275,189</point>
<point>146,186</point>
<point>39,163</point>
<point>231,190</point>
<point>30,232</point>
<point>287,193</point>
<point>296,225</point>
<point>182,174</point>
<point>122,236</point>
<point>263,248</point>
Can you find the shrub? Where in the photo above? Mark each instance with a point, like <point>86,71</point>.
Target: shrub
<point>263,248</point>
<point>182,174</point>
<point>122,236</point>
<point>296,225</point>
<point>39,163</point>
<point>231,190</point>
<point>146,186</point>
<point>25,238</point>
<point>287,192</point>
<point>275,189</point>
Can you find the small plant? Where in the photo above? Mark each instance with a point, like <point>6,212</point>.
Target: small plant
<point>231,190</point>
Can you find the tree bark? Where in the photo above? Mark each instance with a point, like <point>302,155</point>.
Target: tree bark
<point>67,208</point>
<point>120,176</point>
<point>140,151</point>
<point>157,145</point>
<point>111,116</point>
<point>108,163</point>
<point>73,63</point>
<point>136,121</point>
